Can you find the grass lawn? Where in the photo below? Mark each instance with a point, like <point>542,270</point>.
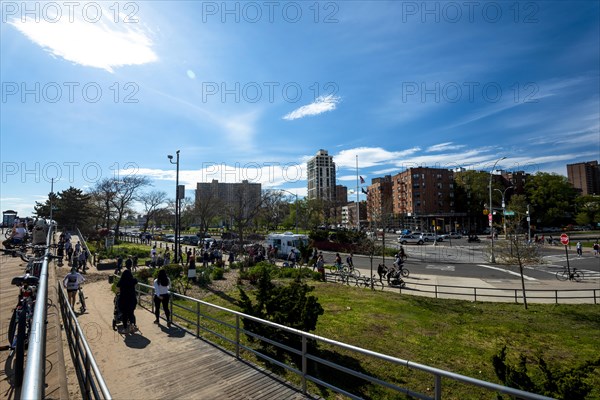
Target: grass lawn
<point>458,336</point>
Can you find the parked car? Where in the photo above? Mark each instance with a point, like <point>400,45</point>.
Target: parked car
<point>410,239</point>
<point>170,238</point>
<point>454,235</point>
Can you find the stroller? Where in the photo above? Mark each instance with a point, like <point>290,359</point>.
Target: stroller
<point>117,315</point>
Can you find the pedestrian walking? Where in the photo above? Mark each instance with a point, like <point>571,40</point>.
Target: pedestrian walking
<point>127,301</point>
<point>596,249</point>
<point>162,284</point>
<point>579,249</point>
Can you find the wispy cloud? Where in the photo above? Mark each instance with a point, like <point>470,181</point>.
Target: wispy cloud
<point>103,44</point>
<point>444,147</point>
<point>320,105</point>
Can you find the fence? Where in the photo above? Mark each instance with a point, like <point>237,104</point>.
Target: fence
<point>90,379</point>
<point>228,330</point>
<point>583,295</point>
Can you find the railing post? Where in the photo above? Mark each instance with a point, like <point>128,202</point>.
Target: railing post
<point>595,296</point>
<point>516,299</point>
<point>237,336</point>
<point>475,293</point>
<point>88,378</point>
<point>436,293</point>
<point>438,388</point>
<point>304,364</point>
<point>556,296</point>
<point>198,320</point>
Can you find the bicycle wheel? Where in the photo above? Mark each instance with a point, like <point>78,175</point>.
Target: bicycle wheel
<point>377,284</point>
<point>405,272</point>
<point>351,280</point>
<point>12,327</point>
<point>562,275</point>
<point>577,276</point>
<point>82,300</point>
<point>20,346</point>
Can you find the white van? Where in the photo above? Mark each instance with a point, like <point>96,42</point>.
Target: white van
<point>285,242</point>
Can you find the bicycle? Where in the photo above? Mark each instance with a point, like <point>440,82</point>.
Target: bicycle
<point>368,282</point>
<point>81,299</point>
<point>349,269</point>
<point>575,275</point>
<point>21,322</point>
<point>345,277</point>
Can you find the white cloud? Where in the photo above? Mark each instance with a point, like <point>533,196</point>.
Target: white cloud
<point>103,44</point>
<point>320,105</point>
<point>370,156</point>
<point>444,147</point>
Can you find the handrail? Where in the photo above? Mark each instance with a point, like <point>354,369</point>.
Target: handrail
<point>81,351</point>
<point>85,245</point>
<point>34,377</point>
<point>437,373</point>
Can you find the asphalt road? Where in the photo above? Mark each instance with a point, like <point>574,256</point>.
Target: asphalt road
<point>462,259</point>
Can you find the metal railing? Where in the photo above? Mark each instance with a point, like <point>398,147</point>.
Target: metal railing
<point>90,378</point>
<point>34,377</point>
<point>224,328</point>
<point>556,296</point>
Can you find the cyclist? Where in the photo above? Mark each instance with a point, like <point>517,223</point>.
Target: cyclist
<point>72,282</point>
<point>338,261</point>
<point>349,261</point>
<point>17,236</point>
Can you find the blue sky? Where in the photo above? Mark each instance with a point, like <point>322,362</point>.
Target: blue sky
<point>251,90</point>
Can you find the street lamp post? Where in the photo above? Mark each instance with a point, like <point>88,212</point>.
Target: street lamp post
<point>491,218</point>
<point>504,209</point>
<point>176,251</point>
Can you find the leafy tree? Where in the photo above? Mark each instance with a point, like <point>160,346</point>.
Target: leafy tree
<point>552,196</point>
<point>472,193</point>
<point>71,208</point>
<point>588,209</point>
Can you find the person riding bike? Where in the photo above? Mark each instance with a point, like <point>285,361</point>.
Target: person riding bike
<point>338,261</point>
<point>17,236</point>
<point>72,282</point>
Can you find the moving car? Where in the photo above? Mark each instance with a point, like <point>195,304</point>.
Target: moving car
<point>410,239</point>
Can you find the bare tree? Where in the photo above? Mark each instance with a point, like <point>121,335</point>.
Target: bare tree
<point>103,194</point>
<point>152,202</point>
<point>125,192</point>
<point>206,211</point>
<point>517,250</point>
<point>274,208</point>
<point>244,208</point>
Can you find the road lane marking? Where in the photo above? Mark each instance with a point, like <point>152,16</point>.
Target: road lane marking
<point>529,278</point>
<point>441,267</point>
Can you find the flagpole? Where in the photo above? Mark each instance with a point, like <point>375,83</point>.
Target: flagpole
<point>357,196</point>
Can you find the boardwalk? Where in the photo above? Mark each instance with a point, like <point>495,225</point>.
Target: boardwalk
<point>166,363</point>
<point>55,373</point>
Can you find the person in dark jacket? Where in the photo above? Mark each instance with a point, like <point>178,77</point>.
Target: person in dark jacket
<point>127,301</point>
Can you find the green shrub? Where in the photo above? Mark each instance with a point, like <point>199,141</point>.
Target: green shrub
<point>174,271</point>
<point>217,273</point>
<point>565,383</point>
<point>143,274</point>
